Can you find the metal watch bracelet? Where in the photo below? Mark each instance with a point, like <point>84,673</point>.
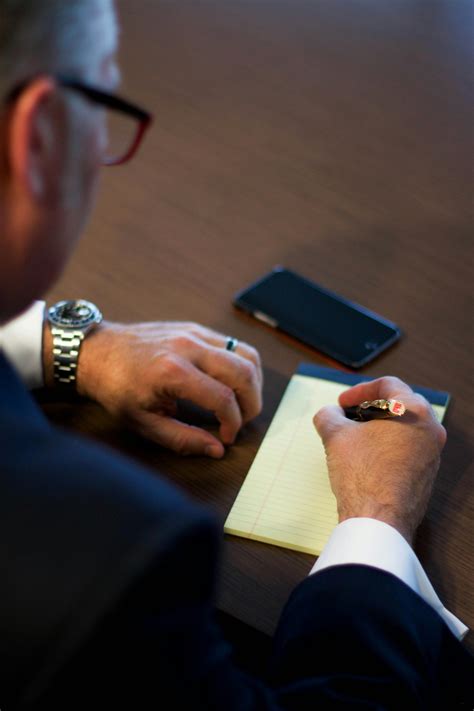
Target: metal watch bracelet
<point>66,347</point>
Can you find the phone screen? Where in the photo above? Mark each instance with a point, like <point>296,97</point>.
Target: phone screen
<point>320,318</point>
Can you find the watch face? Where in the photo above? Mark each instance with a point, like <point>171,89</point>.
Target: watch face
<point>74,314</point>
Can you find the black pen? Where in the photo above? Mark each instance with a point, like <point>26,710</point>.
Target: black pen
<point>375,410</point>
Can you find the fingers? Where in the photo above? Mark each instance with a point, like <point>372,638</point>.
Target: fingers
<point>189,361</point>
<point>184,381</point>
<point>244,350</point>
<point>390,387</point>
<point>239,373</point>
<point>219,341</point>
<point>179,437</point>
<point>385,388</point>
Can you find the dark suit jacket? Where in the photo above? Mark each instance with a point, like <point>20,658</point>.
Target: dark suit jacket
<point>106,590</point>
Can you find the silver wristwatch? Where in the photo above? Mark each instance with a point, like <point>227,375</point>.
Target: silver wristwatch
<point>70,321</point>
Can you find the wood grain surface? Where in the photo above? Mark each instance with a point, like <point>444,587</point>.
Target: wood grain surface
<point>333,137</point>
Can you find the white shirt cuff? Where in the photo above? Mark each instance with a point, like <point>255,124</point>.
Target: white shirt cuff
<point>21,340</point>
<point>367,541</point>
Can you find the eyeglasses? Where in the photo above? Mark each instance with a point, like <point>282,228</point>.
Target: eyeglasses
<point>126,122</point>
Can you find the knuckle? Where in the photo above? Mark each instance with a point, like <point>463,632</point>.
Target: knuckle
<point>182,342</point>
<point>321,415</point>
<point>180,445</point>
<point>226,398</point>
<point>248,372</point>
<point>257,360</point>
<point>422,406</point>
<point>195,329</point>
<point>171,366</point>
<point>442,436</point>
<point>253,409</point>
<point>253,354</point>
<point>392,382</point>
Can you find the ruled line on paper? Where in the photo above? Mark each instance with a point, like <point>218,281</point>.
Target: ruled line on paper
<point>278,471</point>
<point>286,498</point>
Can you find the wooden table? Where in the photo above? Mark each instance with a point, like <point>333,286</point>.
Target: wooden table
<point>333,137</point>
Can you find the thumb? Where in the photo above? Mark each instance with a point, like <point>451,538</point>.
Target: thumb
<point>329,420</point>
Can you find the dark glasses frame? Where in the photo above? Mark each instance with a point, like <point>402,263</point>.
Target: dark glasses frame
<point>103,98</point>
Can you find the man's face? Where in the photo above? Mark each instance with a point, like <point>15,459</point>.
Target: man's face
<point>46,223</point>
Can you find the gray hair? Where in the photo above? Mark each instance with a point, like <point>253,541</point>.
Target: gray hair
<point>44,36</point>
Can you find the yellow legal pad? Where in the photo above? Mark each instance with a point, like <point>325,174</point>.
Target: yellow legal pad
<point>286,498</point>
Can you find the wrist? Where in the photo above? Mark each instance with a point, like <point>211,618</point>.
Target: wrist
<point>94,353</point>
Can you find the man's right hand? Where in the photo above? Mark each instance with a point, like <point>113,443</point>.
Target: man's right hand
<point>382,469</point>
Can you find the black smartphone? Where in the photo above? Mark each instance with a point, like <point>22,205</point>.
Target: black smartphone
<point>341,329</point>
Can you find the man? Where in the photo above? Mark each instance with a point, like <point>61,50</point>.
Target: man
<point>107,572</point>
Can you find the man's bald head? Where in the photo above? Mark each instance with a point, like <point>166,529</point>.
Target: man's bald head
<point>51,139</point>
<point>48,36</point>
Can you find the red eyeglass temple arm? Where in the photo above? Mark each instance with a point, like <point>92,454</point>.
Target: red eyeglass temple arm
<point>143,126</point>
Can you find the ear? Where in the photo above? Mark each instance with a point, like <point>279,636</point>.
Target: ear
<point>30,133</point>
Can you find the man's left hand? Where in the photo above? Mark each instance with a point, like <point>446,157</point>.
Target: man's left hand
<point>138,372</point>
